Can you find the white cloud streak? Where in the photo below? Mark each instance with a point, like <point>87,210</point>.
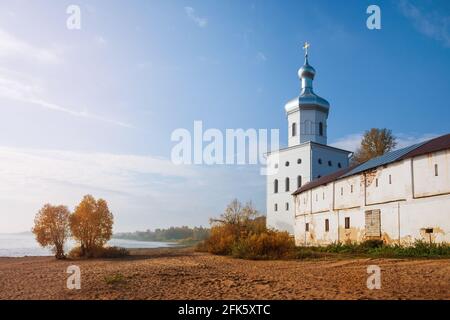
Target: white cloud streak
<point>435,25</point>
<point>352,141</point>
<point>199,21</point>
<point>26,91</point>
<point>261,57</point>
<point>13,47</point>
<point>143,191</point>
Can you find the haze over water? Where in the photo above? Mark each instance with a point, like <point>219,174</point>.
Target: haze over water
<point>24,244</point>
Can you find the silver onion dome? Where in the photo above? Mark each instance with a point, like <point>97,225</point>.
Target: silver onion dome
<point>307,100</point>
<point>306,71</point>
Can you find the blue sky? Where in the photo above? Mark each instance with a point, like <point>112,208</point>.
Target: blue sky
<point>92,110</point>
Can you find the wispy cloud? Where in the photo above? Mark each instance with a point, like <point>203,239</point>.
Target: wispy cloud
<point>31,177</point>
<point>100,40</point>
<point>26,91</point>
<point>190,12</point>
<point>261,57</point>
<point>143,191</point>
<point>433,24</point>
<point>352,142</point>
<point>13,47</point>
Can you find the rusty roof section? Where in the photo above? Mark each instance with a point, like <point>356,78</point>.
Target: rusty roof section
<point>433,145</point>
<point>323,180</point>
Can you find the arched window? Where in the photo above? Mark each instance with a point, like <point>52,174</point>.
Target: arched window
<point>294,129</point>
<point>299,181</point>
<point>320,128</point>
<point>287,184</point>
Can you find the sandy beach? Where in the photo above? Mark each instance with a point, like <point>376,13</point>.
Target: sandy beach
<point>185,274</point>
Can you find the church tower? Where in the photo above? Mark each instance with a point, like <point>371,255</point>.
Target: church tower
<point>307,157</point>
<point>307,114</point>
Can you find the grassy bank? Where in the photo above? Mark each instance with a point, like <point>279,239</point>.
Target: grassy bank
<point>376,249</point>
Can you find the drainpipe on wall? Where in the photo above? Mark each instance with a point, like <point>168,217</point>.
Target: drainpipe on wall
<point>305,228</point>
<point>398,217</point>
<point>338,237</point>
<point>412,179</point>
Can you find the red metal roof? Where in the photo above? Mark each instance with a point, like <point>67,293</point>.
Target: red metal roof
<point>433,145</point>
<point>323,180</point>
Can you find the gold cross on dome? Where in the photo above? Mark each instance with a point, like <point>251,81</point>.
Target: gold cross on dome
<point>306,47</point>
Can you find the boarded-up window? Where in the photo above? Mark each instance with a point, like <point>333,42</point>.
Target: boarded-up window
<point>373,223</point>
<point>327,225</point>
<point>347,223</point>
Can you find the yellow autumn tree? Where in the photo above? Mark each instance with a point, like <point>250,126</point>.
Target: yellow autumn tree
<point>91,224</point>
<point>51,228</point>
<point>374,143</point>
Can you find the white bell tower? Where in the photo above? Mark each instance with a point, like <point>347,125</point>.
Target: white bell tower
<point>307,115</point>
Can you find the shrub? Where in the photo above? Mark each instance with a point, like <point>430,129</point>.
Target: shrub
<point>221,240</point>
<point>100,252</point>
<point>265,245</point>
<point>370,244</point>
